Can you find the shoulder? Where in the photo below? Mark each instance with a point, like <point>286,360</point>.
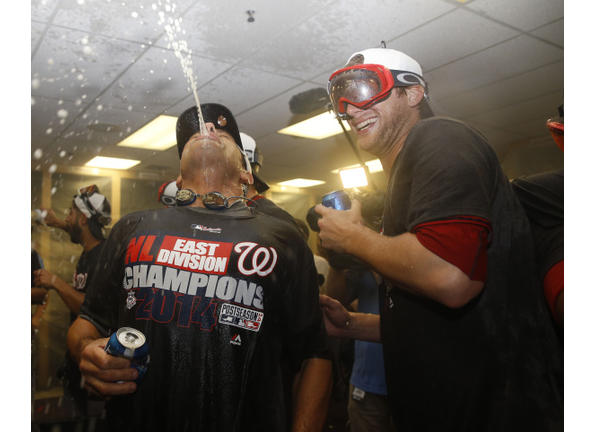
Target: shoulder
<point>446,139</point>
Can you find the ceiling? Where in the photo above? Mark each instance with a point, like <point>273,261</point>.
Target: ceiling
<point>497,64</point>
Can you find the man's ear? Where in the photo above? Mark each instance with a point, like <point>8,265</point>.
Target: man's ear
<point>246,178</point>
<point>82,219</point>
<point>415,94</point>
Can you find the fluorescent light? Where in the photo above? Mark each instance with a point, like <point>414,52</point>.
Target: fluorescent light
<point>354,177</point>
<point>301,183</point>
<point>112,163</point>
<point>157,135</point>
<point>373,166</point>
<point>318,127</point>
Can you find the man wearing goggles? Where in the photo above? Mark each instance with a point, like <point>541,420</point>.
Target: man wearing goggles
<point>456,257</point>
<point>227,298</point>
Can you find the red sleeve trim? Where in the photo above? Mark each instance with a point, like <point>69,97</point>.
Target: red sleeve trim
<point>461,241</point>
<point>554,284</point>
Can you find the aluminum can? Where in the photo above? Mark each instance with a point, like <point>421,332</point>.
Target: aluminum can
<point>131,344</point>
<point>338,200</point>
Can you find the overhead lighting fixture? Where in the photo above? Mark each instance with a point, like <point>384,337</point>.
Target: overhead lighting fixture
<point>157,135</point>
<point>318,127</point>
<point>112,163</point>
<point>373,166</point>
<point>354,177</point>
<point>301,183</point>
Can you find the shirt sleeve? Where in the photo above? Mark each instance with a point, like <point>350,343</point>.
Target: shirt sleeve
<point>461,241</point>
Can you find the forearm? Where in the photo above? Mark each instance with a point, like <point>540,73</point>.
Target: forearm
<point>80,334</point>
<point>71,297</point>
<point>312,395</point>
<point>362,326</point>
<point>336,285</point>
<point>38,295</point>
<point>405,262</point>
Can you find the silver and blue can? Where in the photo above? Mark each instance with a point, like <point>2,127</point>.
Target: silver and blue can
<point>338,200</point>
<point>130,343</point>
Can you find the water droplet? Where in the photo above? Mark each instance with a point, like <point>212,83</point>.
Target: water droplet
<point>62,153</point>
<point>99,107</point>
<point>87,50</point>
<point>84,41</point>
<point>37,154</point>
<point>49,131</point>
<point>52,169</point>
<point>50,62</point>
<point>35,82</point>
<point>63,113</point>
<point>134,14</point>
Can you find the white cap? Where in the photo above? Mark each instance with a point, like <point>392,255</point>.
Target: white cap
<point>249,146</point>
<point>392,59</point>
<point>97,201</point>
<point>170,189</point>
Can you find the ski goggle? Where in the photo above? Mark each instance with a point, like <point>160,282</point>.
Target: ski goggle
<point>365,85</point>
<point>211,200</point>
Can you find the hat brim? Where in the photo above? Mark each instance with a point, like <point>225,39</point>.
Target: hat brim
<point>261,184</point>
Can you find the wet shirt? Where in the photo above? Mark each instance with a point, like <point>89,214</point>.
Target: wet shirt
<point>85,269</point>
<point>492,365</point>
<point>221,296</point>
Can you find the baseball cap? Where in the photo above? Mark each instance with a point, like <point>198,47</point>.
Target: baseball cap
<point>167,193</point>
<point>256,159</point>
<point>409,70</point>
<point>93,205</point>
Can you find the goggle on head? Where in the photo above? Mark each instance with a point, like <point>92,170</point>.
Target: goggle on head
<point>365,85</point>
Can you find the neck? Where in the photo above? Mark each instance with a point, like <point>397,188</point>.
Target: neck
<point>89,241</point>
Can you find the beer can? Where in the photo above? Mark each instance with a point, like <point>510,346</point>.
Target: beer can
<point>130,343</point>
<point>338,200</point>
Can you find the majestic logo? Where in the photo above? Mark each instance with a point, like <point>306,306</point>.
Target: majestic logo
<point>206,229</point>
<point>235,340</point>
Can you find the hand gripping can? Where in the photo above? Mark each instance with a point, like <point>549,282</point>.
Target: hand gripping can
<point>338,200</point>
<point>131,344</point>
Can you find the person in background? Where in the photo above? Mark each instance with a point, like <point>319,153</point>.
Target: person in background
<point>542,196</point>
<point>259,186</point>
<point>321,263</point>
<point>89,214</point>
<point>355,286</point>
<point>467,343</point>
<point>167,193</point>
<point>223,295</point>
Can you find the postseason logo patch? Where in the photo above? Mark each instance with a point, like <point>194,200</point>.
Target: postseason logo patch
<point>241,317</point>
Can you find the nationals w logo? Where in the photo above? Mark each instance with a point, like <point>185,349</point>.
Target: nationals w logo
<point>262,262</point>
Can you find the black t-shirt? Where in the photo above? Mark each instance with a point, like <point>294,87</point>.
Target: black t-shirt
<point>221,296</point>
<point>492,365</point>
<point>85,269</point>
<point>542,197</point>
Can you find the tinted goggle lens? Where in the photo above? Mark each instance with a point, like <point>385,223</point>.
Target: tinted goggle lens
<point>358,87</point>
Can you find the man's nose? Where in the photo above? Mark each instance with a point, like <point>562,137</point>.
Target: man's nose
<point>352,110</point>
<point>210,128</point>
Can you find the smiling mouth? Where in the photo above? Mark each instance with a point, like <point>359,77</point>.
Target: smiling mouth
<point>365,124</point>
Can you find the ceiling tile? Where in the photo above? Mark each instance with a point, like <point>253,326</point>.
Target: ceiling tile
<point>525,15</point>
